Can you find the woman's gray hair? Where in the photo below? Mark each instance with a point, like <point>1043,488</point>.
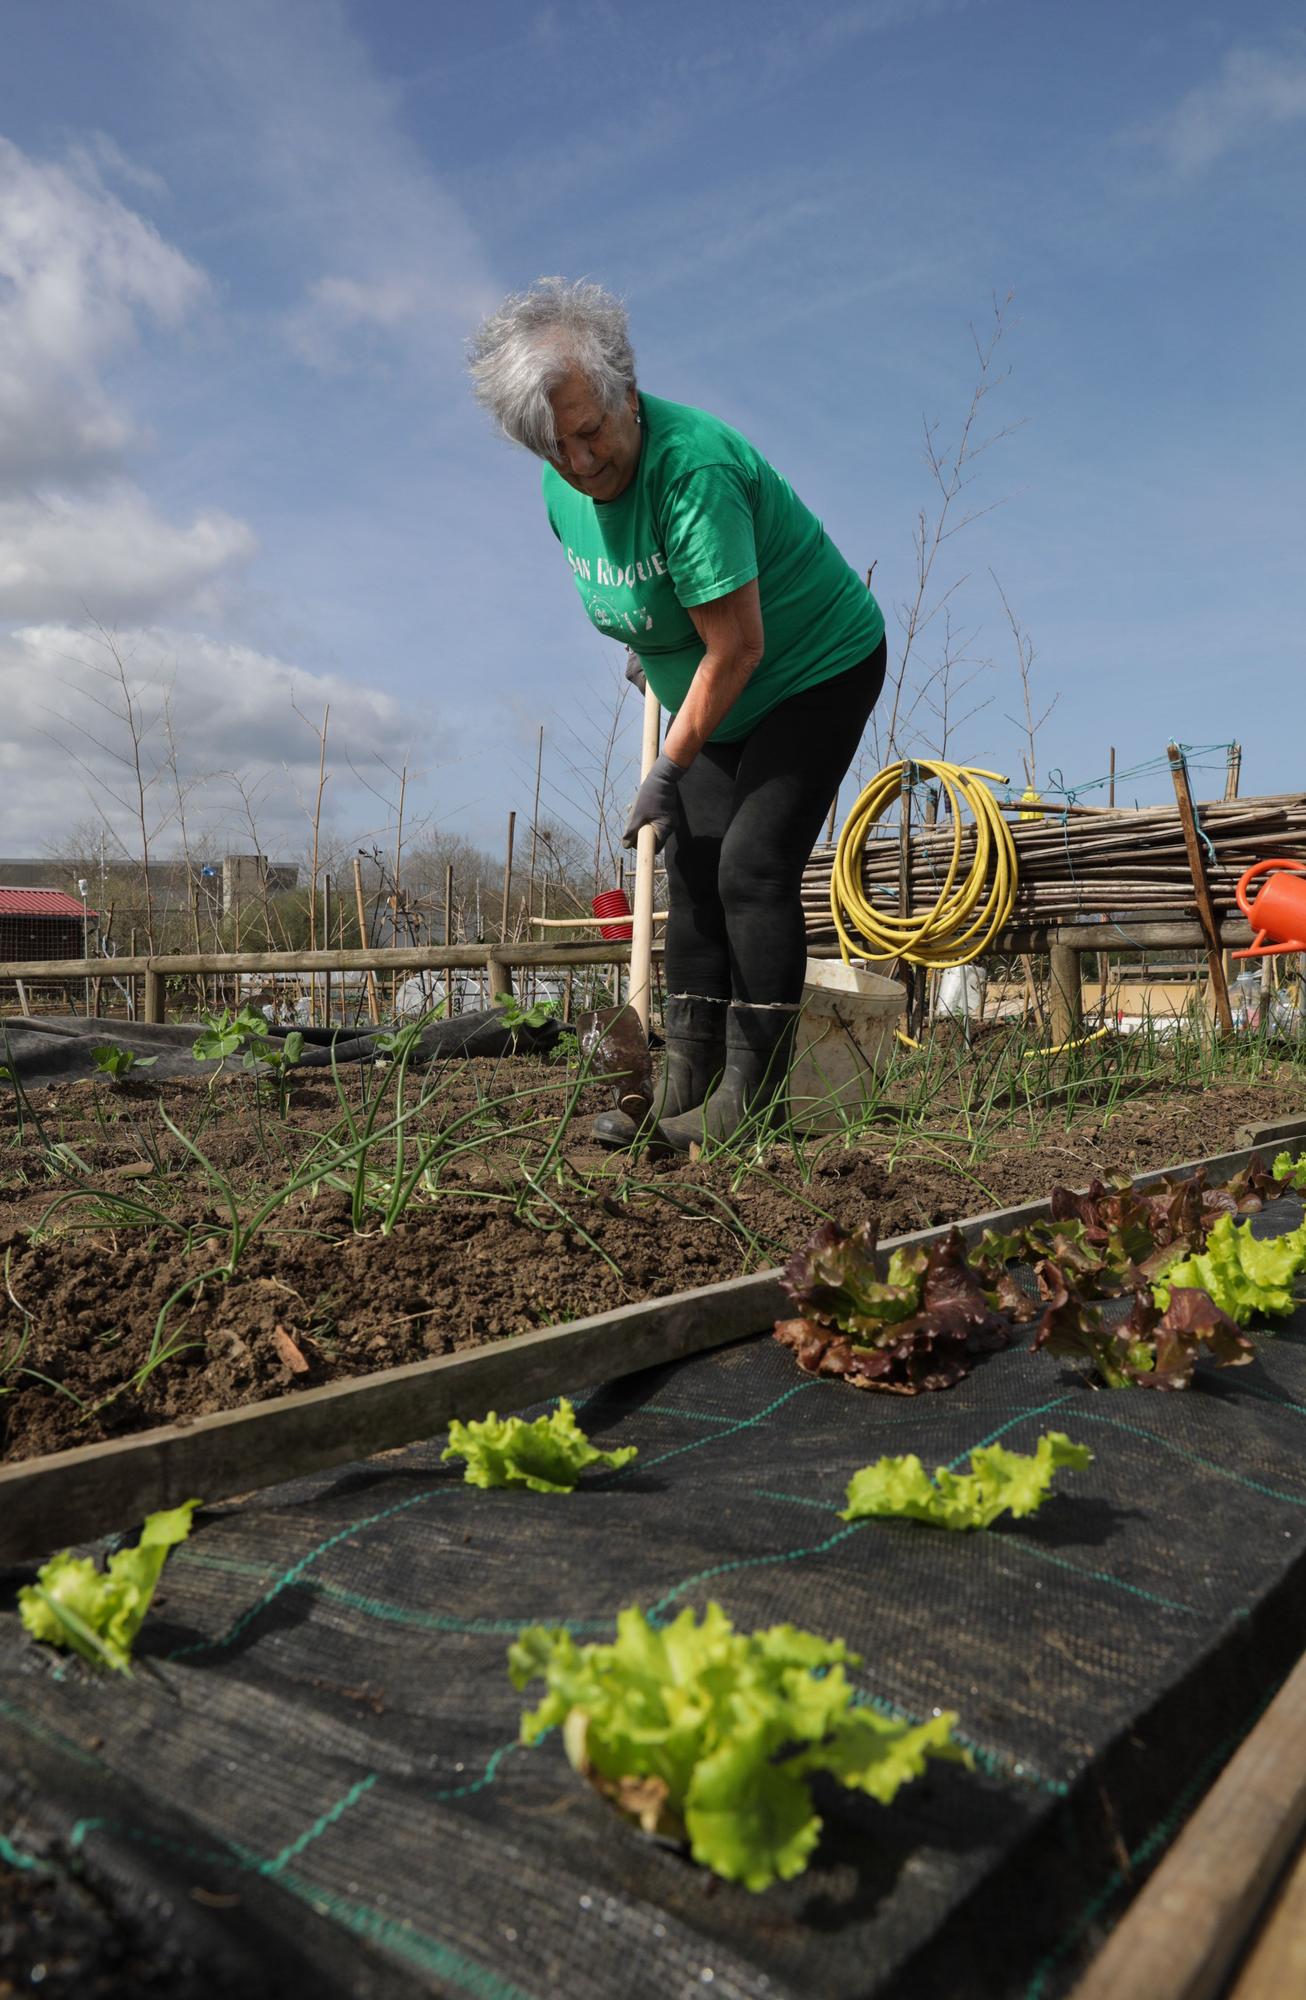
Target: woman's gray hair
<point>525,349</point>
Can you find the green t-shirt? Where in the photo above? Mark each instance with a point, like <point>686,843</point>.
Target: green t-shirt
<point>704,514</point>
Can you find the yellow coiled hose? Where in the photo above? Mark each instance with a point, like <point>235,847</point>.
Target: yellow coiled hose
<point>970,909</point>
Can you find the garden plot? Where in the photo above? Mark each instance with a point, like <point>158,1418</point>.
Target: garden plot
<point>325,1760</point>
<point>177,1249</point>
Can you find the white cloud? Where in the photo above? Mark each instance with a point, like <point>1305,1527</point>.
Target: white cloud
<point>107,157</point>
<point>334,325</point>
<point>78,272</point>
<point>387,304</point>
<point>109,555</point>
<point>383,247</point>
<point>1255,88</point>
<point>233,712</point>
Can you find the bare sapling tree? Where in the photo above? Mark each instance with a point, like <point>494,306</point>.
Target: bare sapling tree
<point>399,864</point>
<point>1029,724</point>
<point>956,672</point>
<point>182,787</point>
<point>275,934</point>
<point>952,473</point>
<point>409,909</point>
<point>566,868</point>
<point>133,780</point>
<point>560,859</point>
<point>596,748</point>
<point>313,811</point>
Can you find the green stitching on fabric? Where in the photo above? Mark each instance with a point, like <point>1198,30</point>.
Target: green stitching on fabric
<point>731,1430</point>
<point>296,1570</point>
<point>1195,1458</point>
<point>319,1826</point>
<point>794,1500</point>
<point>15,1858</point>
<point>186,1558</point>
<point>1022,1548</point>
<point>690,1416</point>
<point>1097,1575</point>
<point>1030,1410</point>
<point>229,1857</point>
<point>487,1777</point>
<point>1268,1396</point>
<point>429,1621</point>
<point>890,1418</point>
<point>400,1938</point>
<point>750,1562</point>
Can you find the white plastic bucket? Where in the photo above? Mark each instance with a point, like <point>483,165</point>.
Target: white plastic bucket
<point>845,1034</point>
<point>960,993</point>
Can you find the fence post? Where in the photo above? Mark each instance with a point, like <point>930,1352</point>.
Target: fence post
<point>154,995</point>
<point>1067,999</point>
<point>498,973</point>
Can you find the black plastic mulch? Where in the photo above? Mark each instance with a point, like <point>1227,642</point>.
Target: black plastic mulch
<point>317,1773</point>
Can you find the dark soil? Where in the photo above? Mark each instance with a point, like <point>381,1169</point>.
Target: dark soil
<point>59,1937</point>
<point>68,1934</point>
<point>94,1288</point>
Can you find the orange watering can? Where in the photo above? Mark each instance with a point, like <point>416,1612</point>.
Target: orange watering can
<point>1279,911</point>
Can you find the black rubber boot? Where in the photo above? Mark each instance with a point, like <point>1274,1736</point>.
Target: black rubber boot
<point>694,1032</point>
<point>758,1045</point>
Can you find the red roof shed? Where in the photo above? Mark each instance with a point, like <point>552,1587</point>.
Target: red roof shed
<point>40,923</point>
<point>40,903</point>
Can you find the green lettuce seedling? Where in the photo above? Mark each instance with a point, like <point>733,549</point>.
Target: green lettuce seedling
<point>548,1455</point>
<point>98,1613</point>
<point>1290,1173</point>
<point>1244,1274</point>
<point>999,1482</point>
<point>708,1735</point>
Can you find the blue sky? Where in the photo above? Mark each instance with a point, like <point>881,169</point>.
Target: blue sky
<point>241,247</point>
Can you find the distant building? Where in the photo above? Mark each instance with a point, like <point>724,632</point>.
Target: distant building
<point>235,880</point>
<point>41,923</point>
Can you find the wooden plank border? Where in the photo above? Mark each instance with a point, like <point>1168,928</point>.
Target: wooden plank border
<point>1275,1964</point>
<point>1260,1137</point>
<point>1184,1929</point>
<point>76,1496</point>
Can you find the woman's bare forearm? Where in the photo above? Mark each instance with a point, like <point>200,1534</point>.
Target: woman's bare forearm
<point>733,644</point>
<point>713,692</point>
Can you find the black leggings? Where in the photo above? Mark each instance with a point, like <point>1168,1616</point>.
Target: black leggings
<point>747,818</point>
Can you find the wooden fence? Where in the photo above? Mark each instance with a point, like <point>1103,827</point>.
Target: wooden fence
<point>1065,947</point>
<point>496,960</point>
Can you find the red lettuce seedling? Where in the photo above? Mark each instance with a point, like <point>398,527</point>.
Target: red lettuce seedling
<point>930,1349</point>
<point>1150,1349</point>
<point>1133,1224</point>
<point>837,1280</point>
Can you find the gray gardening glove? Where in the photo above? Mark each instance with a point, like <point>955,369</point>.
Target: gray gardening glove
<point>635,672</point>
<point>655,802</point>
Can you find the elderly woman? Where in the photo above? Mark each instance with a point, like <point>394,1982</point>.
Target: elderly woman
<point>752,630</point>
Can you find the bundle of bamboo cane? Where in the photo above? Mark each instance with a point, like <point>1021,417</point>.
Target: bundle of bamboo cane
<point>1082,861</point>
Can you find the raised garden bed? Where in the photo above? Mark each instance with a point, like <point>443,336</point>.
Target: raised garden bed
<point>325,1749</point>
